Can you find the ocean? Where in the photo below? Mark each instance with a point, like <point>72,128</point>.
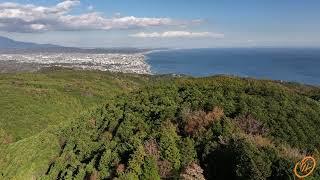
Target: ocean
<point>300,65</point>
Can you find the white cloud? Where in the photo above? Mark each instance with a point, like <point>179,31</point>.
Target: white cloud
<point>66,5</point>
<point>117,14</point>
<point>38,27</point>
<point>90,8</point>
<point>178,34</point>
<point>16,17</point>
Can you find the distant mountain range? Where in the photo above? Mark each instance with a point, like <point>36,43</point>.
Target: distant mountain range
<point>8,45</point>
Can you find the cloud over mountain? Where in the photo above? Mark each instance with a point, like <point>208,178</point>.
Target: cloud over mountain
<point>16,17</point>
<point>178,34</point>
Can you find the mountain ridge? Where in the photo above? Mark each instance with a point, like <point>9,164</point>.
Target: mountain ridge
<point>11,46</point>
<point>7,43</point>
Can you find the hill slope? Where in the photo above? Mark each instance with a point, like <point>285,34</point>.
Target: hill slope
<point>214,128</point>
<point>30,102</point>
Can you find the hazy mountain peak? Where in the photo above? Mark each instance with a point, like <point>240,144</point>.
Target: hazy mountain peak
<point>7,43</point>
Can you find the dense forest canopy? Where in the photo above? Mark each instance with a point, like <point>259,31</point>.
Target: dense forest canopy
<point>189,128</point>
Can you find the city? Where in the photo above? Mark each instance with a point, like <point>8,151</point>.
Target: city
<point>126,63</point>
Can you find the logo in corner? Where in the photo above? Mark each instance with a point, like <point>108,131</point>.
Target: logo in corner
<point>305,167</point>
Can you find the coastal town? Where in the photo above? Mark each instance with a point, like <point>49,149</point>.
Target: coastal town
<point>126,63</point>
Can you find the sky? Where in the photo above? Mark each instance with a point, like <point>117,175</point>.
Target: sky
<point>163,23</point>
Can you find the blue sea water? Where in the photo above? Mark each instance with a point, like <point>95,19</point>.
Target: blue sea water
<point>289,64</point>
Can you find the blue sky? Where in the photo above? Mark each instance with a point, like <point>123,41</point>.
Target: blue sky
<point>163,23</point>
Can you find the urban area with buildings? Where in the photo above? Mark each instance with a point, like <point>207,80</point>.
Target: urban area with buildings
<point>126,63</point>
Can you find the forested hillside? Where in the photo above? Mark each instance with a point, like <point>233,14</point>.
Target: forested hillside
<point>30,102</point>
<point>169,128</point>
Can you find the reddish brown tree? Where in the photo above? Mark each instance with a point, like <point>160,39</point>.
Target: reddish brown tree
<point>192,172</point>
<point>250,125</point>
<point>152,148</point>
<point>198,121</point>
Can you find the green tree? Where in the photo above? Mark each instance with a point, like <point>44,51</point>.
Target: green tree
<point>168,144</point>
<point>150,169</point>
